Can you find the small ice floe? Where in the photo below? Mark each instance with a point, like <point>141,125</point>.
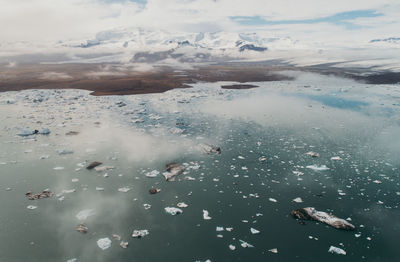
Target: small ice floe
<point>153,191</point>
<point>262,159</point>
<point>116,237</point>
<point>72,260</point>
<point>244,244</point>
<point>310,213</point>
<point>254,231</point>
<point>336,158</point>
<point>219,229</point>
<point>99,188</point>
<point>104,243</point>
<point>44,194</point>
<point>210,149</point>
<point>176,130</point>
<point>31,207</point>
<point>173,170</point>
<point>140,233</point>
<point>93,165</point>
<point>81,228</point>
<point>206,215</point>
<point>298,200</point>
<point>68,191</point>
<point>182,205</point>
<point>58,168</point>
<point>173,210</point>
<point>153,173</point>
<point>377,182</point>
<point>232,247</point>
<point>318,168</point>
<point>74,180</point>
<point>44,157</point>
<point>44,131</point>
<point>103,168</point>
<point>146,206</point>
<point>272,200</point>
<point>229,229</point>
<point>273,250</point>
<point>312,154</point>
<point>336,250</point>
<point>123,244</point>
<point>64,151</point>
<point>124,189</point>
<point>27,132</point>
<point>84,214</point>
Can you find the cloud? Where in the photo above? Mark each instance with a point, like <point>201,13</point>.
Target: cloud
<point>49,21</point>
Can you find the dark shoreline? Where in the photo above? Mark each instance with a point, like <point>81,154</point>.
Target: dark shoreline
<point>117,82</point>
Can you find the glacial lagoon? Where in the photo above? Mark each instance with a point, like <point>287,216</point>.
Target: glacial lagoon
<point>248,190</point>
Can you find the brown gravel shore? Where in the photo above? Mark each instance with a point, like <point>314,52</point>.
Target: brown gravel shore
<point>104,79</point>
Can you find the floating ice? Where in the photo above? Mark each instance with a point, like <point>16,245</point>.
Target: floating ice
<point>182,205</point>
<point>84,214</point>
<point>153,173</point>
<point>309,213</point>
<point>206,215</point>
<point>124,189</point>
<point>298,200</point>
<point>31,207</point>
<point>244,244</point>
<point>173,210</point>
<point>318,168</point>
<point>27,132</point>
<point>173,170</point>
<point>273,250</point>
<point>104,243</point>
<point>103,168</point>
<point>64,151</point>
<point>140,233</point>
<point>336,250</point>
<point>254,231</point>
<point>273,200</point>
<point>232,247</point>
<point>44,131</point>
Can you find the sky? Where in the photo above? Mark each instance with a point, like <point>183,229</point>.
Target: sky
<point>307,20</point>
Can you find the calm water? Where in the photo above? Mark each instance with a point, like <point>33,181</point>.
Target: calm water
<point>281,121</point>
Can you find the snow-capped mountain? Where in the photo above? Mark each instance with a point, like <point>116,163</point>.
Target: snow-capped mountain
<point>143,45</point>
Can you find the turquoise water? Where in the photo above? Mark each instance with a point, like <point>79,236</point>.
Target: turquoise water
<point>280,121</point>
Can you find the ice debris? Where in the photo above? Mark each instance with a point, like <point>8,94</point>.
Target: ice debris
<point>318,168</point>
<point>244,244</point>
<point>273,250</point>
<point>93,165</point>
<point>254,231</point>
<point>84,214</point>
<point>140,233</point>
<point>153,173</point>
<point>206,215</point>
<point>44,194</point>
<point>298,200</point>
<point>104,243</point>
<point>209,149</point>
<point>173,210</point>
<point>336,250</point>
<point>154,190</point>
<point>82,228</point>
<point>173,170</point>
<point>309,213</point>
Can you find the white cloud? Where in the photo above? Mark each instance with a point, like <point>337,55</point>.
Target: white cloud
<point>47,21</point>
